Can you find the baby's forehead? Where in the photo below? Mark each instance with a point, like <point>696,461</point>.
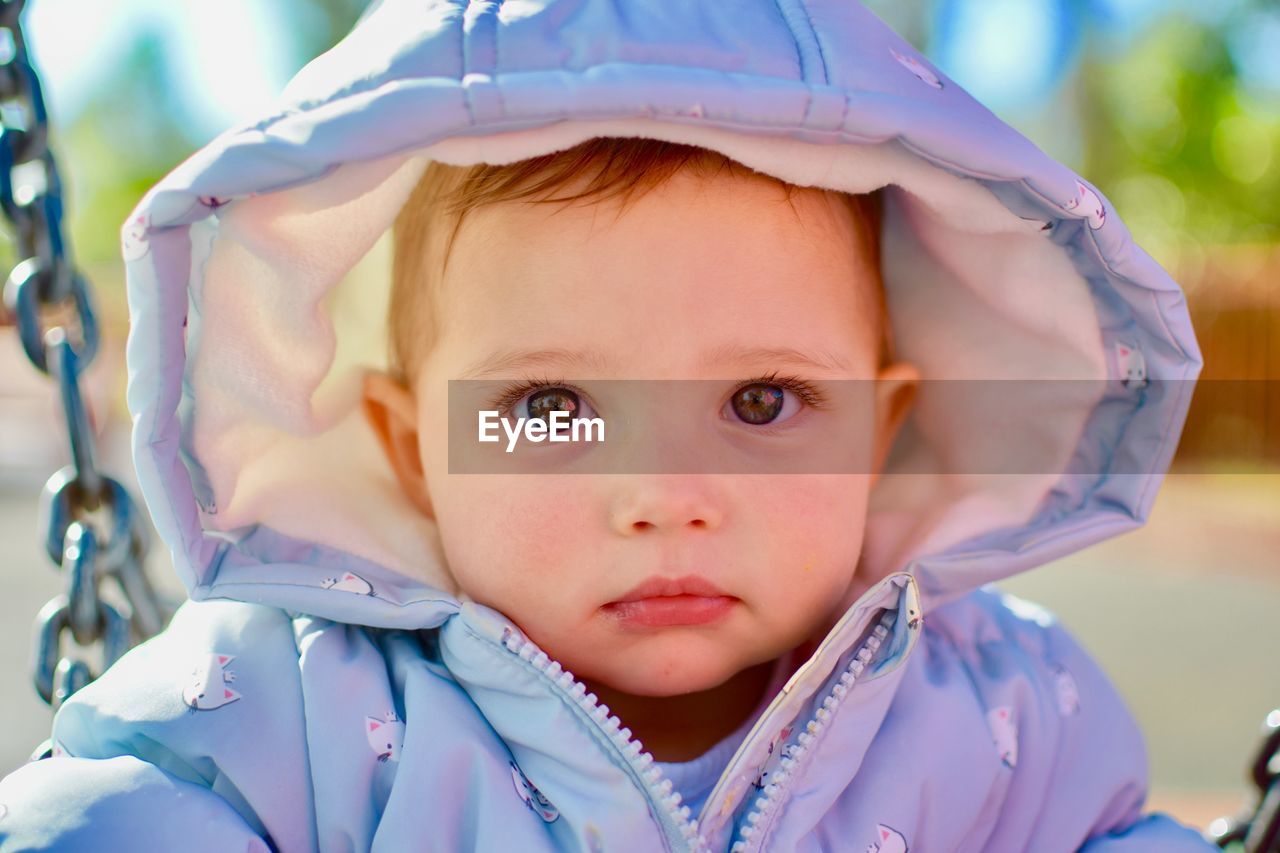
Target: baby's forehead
<point>734,265</point>
<point>729,252</point>
<point>684,211</point>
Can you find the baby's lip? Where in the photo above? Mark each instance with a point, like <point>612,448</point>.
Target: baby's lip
<point>658,586</point>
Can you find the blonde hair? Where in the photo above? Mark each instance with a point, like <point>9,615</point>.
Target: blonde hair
<point>428,223</point>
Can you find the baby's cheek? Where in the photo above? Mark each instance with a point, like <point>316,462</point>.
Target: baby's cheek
<point>509,538</point>
<point>825,510</point>
<point>815,530</point>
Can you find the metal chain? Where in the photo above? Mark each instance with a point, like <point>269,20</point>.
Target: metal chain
<point>92,528</point>
<point>1258,830</point>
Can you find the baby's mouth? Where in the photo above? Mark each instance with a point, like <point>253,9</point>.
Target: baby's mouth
<point>662,602</point>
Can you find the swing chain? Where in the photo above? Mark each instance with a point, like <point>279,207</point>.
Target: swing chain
<point>92,528</point>
<point>1258,829</point>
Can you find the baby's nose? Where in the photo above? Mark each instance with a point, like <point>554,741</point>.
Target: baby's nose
<point>670,502</point>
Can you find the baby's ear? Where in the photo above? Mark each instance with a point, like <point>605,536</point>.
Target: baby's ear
<point>896,388</point>
<point>392,413</point>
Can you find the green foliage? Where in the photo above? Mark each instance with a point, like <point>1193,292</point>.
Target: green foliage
<point>1186,153</point>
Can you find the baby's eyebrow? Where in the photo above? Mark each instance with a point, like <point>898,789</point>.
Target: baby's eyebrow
<point>736,354</point>
<point>590,360</point>
<point>512,360</point>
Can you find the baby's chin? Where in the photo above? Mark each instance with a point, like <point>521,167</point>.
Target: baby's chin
<point>655,674</point>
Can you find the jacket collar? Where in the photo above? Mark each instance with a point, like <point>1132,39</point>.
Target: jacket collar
<point>585,763</point>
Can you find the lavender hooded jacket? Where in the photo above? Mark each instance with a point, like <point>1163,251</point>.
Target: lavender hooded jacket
<point>328,686</point>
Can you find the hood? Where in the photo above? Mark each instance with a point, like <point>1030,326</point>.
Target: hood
<point>258,280</point>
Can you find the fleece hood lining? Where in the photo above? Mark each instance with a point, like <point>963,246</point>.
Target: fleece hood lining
<point>288,297</point>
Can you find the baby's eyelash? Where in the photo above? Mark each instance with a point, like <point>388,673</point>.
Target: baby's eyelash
<point>516,391</point>
<point>807,392</point>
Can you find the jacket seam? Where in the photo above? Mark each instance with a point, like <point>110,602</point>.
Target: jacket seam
<point>213,592</point>
<point>497,60</point>
<point>817,41</point>
<point>468,68</point>
<point>794,40</point>
<point>1091,239</point>
<point>523,122</point>
<point>305,107</point>
<point>465,61</point>
<point>844,136</point>
<point>266,125</point>
<point>1173,412</point>
<point>306,741</point>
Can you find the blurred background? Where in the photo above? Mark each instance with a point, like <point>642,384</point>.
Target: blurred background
<point>1170,107</point>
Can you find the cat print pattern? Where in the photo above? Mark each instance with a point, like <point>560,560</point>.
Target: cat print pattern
<point>917,68</point>
<point>1004,734</point>
<point>1067,692</point>
<point>207,688</point>
<point>1132,366</point>
<point>386,736</point>
<point>1087,203</point>
<point>134,243</point>
<point>888,840</point>
<point>349,582</point>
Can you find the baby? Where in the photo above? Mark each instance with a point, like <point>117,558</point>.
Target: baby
<point>712,272</point>
<point>759,245</point>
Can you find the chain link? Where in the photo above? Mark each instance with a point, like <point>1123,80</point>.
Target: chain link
<point>92,528</point>
<point>1258,829</point>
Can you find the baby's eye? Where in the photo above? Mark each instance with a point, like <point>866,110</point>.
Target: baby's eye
<point>542,402</point>
<point>762,403</point>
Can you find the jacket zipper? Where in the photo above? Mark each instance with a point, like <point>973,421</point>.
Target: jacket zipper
<point>751,833</point>
<point>680,829</point>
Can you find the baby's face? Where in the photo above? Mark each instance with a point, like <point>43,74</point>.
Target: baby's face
<point>691,269</point>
